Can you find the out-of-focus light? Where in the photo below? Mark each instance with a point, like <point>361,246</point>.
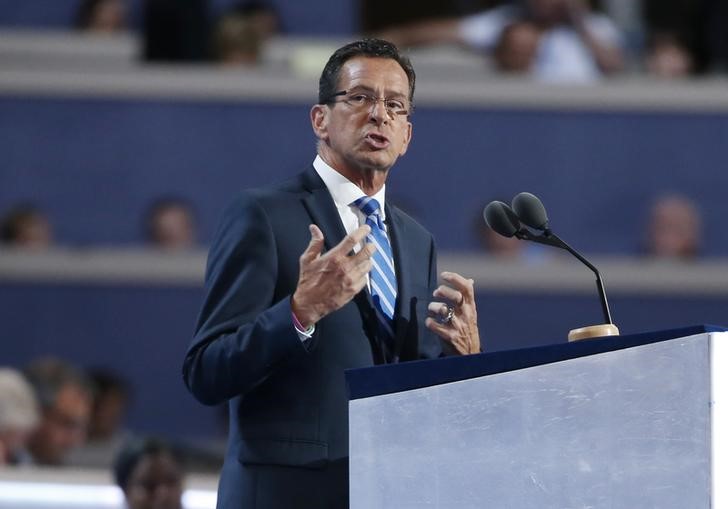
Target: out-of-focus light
<point>199,499</point>
<point>59,495</point>
<point>16,495</point>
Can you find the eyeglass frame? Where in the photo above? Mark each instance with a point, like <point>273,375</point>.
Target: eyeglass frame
<point>370,101</point>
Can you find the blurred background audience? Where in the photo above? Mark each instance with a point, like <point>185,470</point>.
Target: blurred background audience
<point>554,40</point>
<point>193,150</point>
<point>18,416</point>
<point>667,57</point>
<point>25,226</point>
<point>674,229</point>
<point>106,432</point>
<point>102,16</point>
<point>242,31</point>
<point>150,474</point>
<point>65,397</point>
<point>170,224</point>
<point>176,31</point>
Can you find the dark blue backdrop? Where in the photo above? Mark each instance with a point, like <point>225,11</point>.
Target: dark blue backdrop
<point>96,164</point>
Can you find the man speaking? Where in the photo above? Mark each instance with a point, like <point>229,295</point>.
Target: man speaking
<point>316,275</point>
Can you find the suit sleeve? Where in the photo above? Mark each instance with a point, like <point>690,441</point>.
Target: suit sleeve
<point>242,335</point>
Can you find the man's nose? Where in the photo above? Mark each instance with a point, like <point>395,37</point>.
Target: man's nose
<point>378,111</point>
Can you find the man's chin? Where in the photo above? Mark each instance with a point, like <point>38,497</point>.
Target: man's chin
<point>377,161</point>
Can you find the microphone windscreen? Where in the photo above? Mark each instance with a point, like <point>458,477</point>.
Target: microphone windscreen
<point>530,210</point>
<point>501,218</point>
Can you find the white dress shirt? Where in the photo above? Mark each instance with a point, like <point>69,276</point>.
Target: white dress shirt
<point>345,192</point>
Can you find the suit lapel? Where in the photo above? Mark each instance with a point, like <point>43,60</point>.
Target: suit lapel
<point>322,209</point>
<point>397,236</point>
<point>320,206</point>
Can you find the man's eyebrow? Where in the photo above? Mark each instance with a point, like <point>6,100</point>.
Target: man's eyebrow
<point>370,90</point>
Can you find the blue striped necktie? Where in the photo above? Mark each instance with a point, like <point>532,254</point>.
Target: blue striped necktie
<point>382,280</point>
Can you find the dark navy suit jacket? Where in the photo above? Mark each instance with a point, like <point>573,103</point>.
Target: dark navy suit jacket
<point>288,444</point>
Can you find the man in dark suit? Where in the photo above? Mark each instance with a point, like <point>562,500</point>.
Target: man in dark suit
<point>314,276</point>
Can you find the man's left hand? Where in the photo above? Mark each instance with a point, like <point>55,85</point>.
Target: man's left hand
<point>457,319</point>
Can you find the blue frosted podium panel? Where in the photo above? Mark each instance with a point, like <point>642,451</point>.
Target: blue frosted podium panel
<point>628,428</point>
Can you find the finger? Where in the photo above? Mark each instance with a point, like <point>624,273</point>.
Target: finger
<point>313,250</point>
<point>463,285</point>
<point>347,244</point>
<point>445,332</point>
<point>361,283</point>
<point>447,293</point>
<point>365,253</point>
<point>438,309</point>
<point>361,268</point>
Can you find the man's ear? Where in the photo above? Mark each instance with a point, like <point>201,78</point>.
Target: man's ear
<point>407,139</point>
<point>320,121</point>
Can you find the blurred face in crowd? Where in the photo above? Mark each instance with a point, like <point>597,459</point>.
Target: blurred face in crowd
<point>674,229</point>
<point>155,483</point>
<point>62,427</point>
<point>107,415</point>
<point>669,59</point>
<point>34,232</point>
<point>173,228</point>
<point>355,138</point>
<point>517,48</point>
<point>108,16</point>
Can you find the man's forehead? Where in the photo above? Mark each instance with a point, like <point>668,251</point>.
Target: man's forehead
<point>373,72</point>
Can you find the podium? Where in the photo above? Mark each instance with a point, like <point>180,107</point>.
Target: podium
<point>629,421</point>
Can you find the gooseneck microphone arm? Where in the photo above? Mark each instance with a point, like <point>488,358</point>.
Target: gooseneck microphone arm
<point>529,209</point>
<point>548,234</point>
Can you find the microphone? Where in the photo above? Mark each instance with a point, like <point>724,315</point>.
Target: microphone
<point>529,210</point>
<point>501,218</point>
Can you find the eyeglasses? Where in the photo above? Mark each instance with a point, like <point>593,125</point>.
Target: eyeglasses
<point>363,101</point>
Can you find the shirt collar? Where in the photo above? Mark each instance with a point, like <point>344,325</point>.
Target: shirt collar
<point>342,190</point>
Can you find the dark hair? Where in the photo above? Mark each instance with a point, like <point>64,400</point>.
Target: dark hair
<point>85,13</point>
<point>49,375</point>
<point>162,204</point>
<point>254,7</point>
<point>105,381</point>
<point>373,48</point>
<point>16,218</point>
<point>135,451</point>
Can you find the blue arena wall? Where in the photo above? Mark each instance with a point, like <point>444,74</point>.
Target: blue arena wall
<point>95,164</point>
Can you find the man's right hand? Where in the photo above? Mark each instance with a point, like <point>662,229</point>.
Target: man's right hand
<point>327,282</point>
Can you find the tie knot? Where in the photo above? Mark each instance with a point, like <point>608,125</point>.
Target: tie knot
<point>368,205</point>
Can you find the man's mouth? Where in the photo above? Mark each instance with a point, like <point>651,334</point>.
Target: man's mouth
<point>377,141</point>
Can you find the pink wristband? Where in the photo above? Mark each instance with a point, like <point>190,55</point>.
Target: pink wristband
<point>297,324</point>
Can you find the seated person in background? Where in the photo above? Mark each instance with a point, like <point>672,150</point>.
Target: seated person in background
<point>668,58</point>
<point>64,395</point>
<point>150,475</point>
<point>674,229</point>
<point>26,227</point>
<point>516,49</point>
<point>101,16</point>
<point>18,416</point>
<point>576,45</point>
<point>170,224</point>
<point>236,41</point>
<point>241,32</point>
<point>263,15</point>
<point>105,433</point>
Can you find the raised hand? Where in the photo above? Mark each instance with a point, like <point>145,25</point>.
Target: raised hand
<point>328,281</point>
<point>457,318</point>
